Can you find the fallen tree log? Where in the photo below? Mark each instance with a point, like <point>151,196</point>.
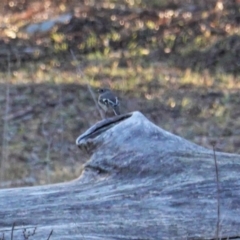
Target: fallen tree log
<point>140,182</point>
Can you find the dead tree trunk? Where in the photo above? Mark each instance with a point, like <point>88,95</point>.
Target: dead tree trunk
<point>140,182</point>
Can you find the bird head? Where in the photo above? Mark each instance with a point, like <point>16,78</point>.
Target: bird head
<point>103,90</point>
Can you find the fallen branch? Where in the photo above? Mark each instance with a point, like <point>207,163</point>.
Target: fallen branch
<point>140,182</point>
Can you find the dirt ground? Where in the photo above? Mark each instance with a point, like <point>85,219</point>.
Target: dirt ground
<point>176,61</point>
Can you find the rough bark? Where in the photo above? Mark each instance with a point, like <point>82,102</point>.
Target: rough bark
<point>140,182</point>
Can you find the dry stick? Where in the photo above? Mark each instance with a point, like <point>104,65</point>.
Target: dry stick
<point>20,113</point>
<point>13,226</point>
<point>218,193</point>
<point>27,234</point>
<point>3,237</point>
<point>48,160</point>
<point>79,71</point>
<point>49,139</point>
<point>60,103</point>
<point>50,234</point>
<point>5,149</point>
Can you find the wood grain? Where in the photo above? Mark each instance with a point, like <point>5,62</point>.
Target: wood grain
<point>140,182</point>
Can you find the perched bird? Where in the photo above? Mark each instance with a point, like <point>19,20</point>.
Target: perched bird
<point>107,99</point>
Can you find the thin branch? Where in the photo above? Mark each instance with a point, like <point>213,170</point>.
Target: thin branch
<point>5,148</point>
<point>50,234</point>
<point>48,160</point>
<point>19,114</point>
<point>3,237</point>
<point>27,234</point>
<point>60,104</point>
<point>12,230</point>
<point>218,193</point>
<point>49,139</point>
<point>80,72</point>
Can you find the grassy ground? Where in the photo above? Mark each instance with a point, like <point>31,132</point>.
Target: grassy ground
<point>190,88</point>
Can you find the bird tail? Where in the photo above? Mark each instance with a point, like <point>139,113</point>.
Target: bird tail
<point>116,110</point>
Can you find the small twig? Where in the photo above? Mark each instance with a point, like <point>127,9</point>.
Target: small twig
<point>218,193</point>
<point>28,233</point>
<point>12,230</point>
<point>79,71</point>
<point>61,120</point>
<point>50,234</point>
<point>5,149</point>
<point>31,109</point>
<point>49,139</point>
<point>3,237</point>
<point>19,114</point>
<point>48,160</point>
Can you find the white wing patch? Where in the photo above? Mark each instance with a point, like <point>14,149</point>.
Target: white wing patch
<point>109,102</point>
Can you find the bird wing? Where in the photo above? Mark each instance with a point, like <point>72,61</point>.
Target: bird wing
<point>109,99</point>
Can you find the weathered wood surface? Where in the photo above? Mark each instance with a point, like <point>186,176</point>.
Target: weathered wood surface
<point>140,182</point>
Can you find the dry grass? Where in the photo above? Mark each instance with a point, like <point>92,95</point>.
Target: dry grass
<point>42,141</point>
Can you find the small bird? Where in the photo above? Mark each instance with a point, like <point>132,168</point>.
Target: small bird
<point>107,99</point>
